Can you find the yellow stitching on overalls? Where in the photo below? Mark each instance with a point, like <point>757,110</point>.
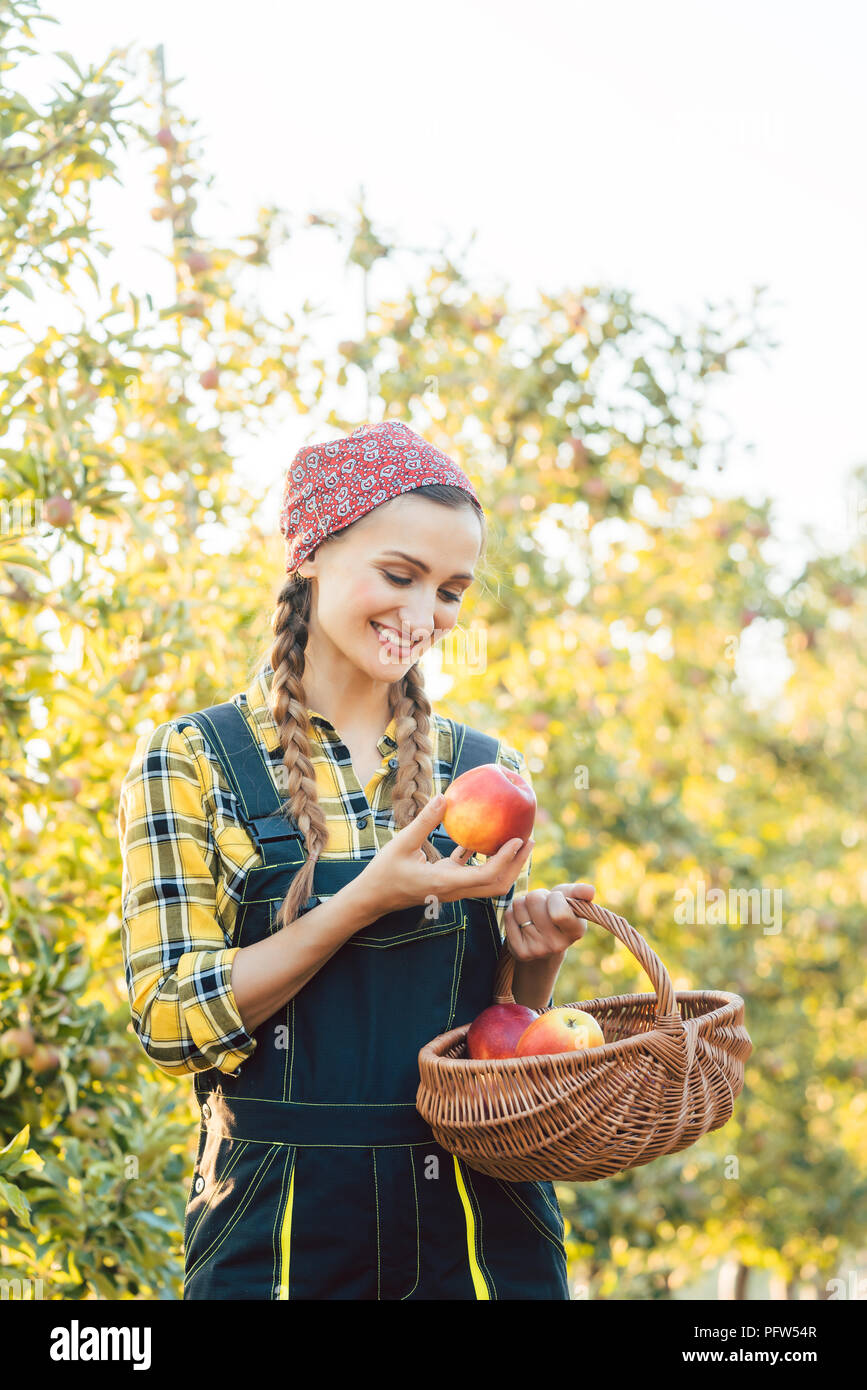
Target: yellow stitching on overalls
<point>531,1216</point>
<point>424,934</point>
<point>417,1233</point>
<point>553,1207</point>
<point>478,1208</point>
<point>332,1105</point>
<point>464,925</point>
<point>286,1237</point>
<point>227,1171</point>
<point>524,1205</point>
<point>456,973</point>
<point>317,1144</point>
<point>255,741</point>
<point>290,1018</point>
<point>378,943</point>
<point>241,797</point>
<point>255,1182</point>
<point>376,1199</point>
<point>479,1283</point>
<point>209,1253</point>
<point>279,1208</point>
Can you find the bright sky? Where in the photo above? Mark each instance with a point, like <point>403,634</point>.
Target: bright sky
<point>683,150</point>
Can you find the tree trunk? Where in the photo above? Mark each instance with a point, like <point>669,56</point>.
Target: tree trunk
<point>741,1280</point>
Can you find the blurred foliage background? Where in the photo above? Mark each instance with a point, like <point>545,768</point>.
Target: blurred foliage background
<point>636,628</point>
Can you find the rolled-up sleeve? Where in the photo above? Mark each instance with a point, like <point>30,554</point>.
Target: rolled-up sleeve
<point>177,956</point>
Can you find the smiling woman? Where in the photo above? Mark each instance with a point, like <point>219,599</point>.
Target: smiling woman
<point>313,1171</point>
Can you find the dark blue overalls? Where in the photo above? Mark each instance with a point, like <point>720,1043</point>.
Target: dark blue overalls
<point>316,1177</point>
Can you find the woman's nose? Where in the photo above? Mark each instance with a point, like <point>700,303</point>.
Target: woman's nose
<point>418,624</point>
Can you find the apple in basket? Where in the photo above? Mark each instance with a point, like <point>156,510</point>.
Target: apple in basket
<point>496,1030</point>
<point>559,1030</point>
<point>487,806</point>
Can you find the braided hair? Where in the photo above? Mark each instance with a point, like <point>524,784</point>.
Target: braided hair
<point>408,704</point>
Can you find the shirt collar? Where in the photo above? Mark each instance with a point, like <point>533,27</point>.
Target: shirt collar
<point>257,697</point>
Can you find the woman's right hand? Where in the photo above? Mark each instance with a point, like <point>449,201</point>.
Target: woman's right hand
<point>400,876</point>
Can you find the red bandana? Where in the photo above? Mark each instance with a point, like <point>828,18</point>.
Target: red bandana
<point>330,485</point>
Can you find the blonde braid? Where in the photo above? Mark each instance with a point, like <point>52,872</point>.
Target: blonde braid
<point>414,786</point>
<point>289,708</point>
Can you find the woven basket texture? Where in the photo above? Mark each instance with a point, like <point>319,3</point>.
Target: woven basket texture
<point>668,1073</point>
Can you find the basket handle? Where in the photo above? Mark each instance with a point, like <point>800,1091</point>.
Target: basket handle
<point>666,1003</point>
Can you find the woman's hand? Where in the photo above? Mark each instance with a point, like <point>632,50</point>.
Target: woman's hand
<point>400,876</point>
<point>541,923</point>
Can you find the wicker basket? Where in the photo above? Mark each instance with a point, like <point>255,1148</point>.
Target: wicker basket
<point>668,1073</point>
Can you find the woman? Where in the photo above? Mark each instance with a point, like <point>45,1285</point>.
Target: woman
<point>296,951</point>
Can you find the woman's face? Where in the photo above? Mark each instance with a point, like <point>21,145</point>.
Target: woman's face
<point>359,580</point>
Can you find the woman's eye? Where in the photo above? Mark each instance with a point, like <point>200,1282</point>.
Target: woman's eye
<point>397,579</point>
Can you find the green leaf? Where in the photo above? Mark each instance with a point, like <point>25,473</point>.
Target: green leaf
<point>70,61</point>
<point>15,1148</point>
<point>11,1083</point>
<point>13,283</point>
<point>70,1088</point>
<point>14,1198</point>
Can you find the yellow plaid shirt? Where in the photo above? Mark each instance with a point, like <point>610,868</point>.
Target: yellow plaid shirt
<point>185,854</point>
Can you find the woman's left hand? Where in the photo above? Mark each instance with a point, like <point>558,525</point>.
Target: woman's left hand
<point>541,922</point>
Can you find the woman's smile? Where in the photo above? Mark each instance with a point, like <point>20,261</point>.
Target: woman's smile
<point>390,638</point>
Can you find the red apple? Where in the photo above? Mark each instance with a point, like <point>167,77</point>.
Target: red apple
<point>17,1042</point>
<point>198,262</point>
<point>559,1030</point>
<point>82,1122</point>
<point>44,1058</point>
<point>487,806</point>
<point>99,1062</point>
<point>497,1029</point>
<point>58,511</point>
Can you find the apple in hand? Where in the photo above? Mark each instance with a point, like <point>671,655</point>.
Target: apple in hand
<point>559,1030</point>
<point>497,1029</point>
<point>487,806</point>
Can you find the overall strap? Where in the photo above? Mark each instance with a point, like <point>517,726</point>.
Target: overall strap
<point>471,748</point>
<point>238,752</point>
